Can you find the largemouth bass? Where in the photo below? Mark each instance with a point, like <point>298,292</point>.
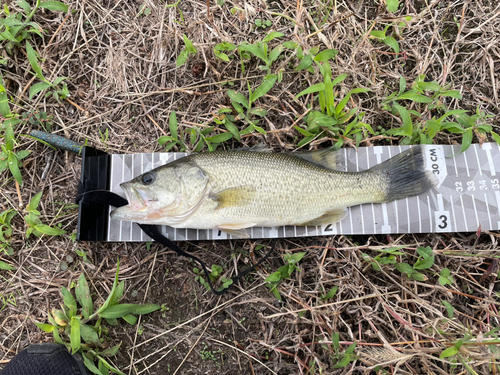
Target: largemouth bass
<point>235,190</point>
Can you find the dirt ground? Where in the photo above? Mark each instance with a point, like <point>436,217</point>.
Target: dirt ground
<point>120,60</point>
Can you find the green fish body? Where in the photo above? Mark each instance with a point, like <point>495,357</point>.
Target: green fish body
<point>234,190</point>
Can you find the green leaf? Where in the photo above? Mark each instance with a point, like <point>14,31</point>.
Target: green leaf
<point>429,86</point>
<point>274,277</point>
<point>119,311</point>
<point>304,132</point>
<point>89,335</point>
<point>26,7</point>
<point>232,128</point>
<point>314,88</point>
<point>75,334</point>
<point>54,5</point>
<point>238,98</point>
<point>219,138</point>
<point>342,104</point>
<point>5,266</point>
<point>82,292</point>
<point>326,55</point>
<point>466,140</point>
<point>14,167</point>
<point>452,93</point>
<point>45,229</point>
<point>109,352</point>
<point>272,35</point>
<point>172,123</point>
<point>33,205</point>
<point>264,87</point>
<point>45,327</point>
<point>254,50</point>
<point>378,34</point>
<point>418,276</point>
<point>113,298</point>
<point>343,362</point>
<point>449,352</point>
<point>90,365</point>
<point>339,79</point>
<point>423,264</point>
<point>391,42</point>
<point>261,112</point>
<point>305,63</point>
<point>404,268</point>
<point>108,366</point>
<point>392,5</point>
<point>69,301</point>
<point>275,53</point>
<point>102,368</point>
<point>496,137</point>
<point>413,96</point>
<point>405,116</point>
<point>305,141</point>
<point>182,58</point>
<point>189,46</point>
<point>130,319</point>
<point>34,61</point>
<point>449,308</point>
<point>330,294</point>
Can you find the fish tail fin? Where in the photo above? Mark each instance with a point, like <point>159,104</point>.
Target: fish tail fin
<point>405,175</point>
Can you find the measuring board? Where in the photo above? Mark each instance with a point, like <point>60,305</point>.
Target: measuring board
<point>467,196</point>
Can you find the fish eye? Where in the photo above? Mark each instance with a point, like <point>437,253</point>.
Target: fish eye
<point>148,178</point>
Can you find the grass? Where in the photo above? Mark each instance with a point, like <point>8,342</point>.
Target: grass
<point>136,77</point>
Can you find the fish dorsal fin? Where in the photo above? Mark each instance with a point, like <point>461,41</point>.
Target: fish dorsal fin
<point>329,158</point>
<point>328,217</point>
<point>260,147</point>
<point>235,196</point>
<point>236,230</point>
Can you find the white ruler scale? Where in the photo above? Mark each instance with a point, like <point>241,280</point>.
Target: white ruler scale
<point>467,196</point>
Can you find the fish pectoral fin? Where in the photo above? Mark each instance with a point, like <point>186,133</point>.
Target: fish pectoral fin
<point>232,197</point>
<point>328,217</point>
<point>236,230</point>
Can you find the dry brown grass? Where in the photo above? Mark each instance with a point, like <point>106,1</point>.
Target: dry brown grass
<point>123,78</point>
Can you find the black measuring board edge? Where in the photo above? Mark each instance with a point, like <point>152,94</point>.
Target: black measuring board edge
<point>93,217</point>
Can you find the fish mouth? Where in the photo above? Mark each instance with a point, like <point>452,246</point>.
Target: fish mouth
<point>137,207</point>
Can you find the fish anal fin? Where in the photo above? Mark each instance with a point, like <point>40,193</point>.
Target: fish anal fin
<point>328,217</point>
<point>232,197</point>
<point>236,230</point>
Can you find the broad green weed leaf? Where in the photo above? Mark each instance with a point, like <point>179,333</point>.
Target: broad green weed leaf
<point>449,352</point>
<point>26,7</point>
<point>34,61</point>
<point>330,294</point>
<point>413,96</point>
<point>69,301</point>
<point>54,5</point>
<point>189,45</point>
<point>82,292</point>
<point>314,88</point>
<point>238,98</point>
<point>90,365</point>
<point>326,55</point>
<point>391,42</point>
<point>272,35</point>
<point>254,50</point>
<point>45,327</point>
<point>14,167</point>
<point>232,128</point>
<point>119,311</point>
<point>109,367</point>
<point>429,86</point>
<point>274,277</point>
<point>130,319</point>
<point>219,138</point>
<point>452,93</point>
<point>404,268</point>
<point>496,137</point>
<point>264,87</point>
<point>109,352</point>
<point>89,335</point>
<point>75,334</point>
<point>5,266</point>
<point>45,229</point>
<point>392,5</point>
<point>304,63</point>
<point>182,58</point>
<point>339,79</point>
<point>405,116</point>
<point>172,123</point>
<point>275,53</point>
<point>36,88</point>
<point>449,308</point>
<point>33,205</point>
<point>359,90</point>
<point>378,34</point>
<point>466,140</point>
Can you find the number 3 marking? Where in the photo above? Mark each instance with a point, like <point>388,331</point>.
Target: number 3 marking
<point>444,221</point>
